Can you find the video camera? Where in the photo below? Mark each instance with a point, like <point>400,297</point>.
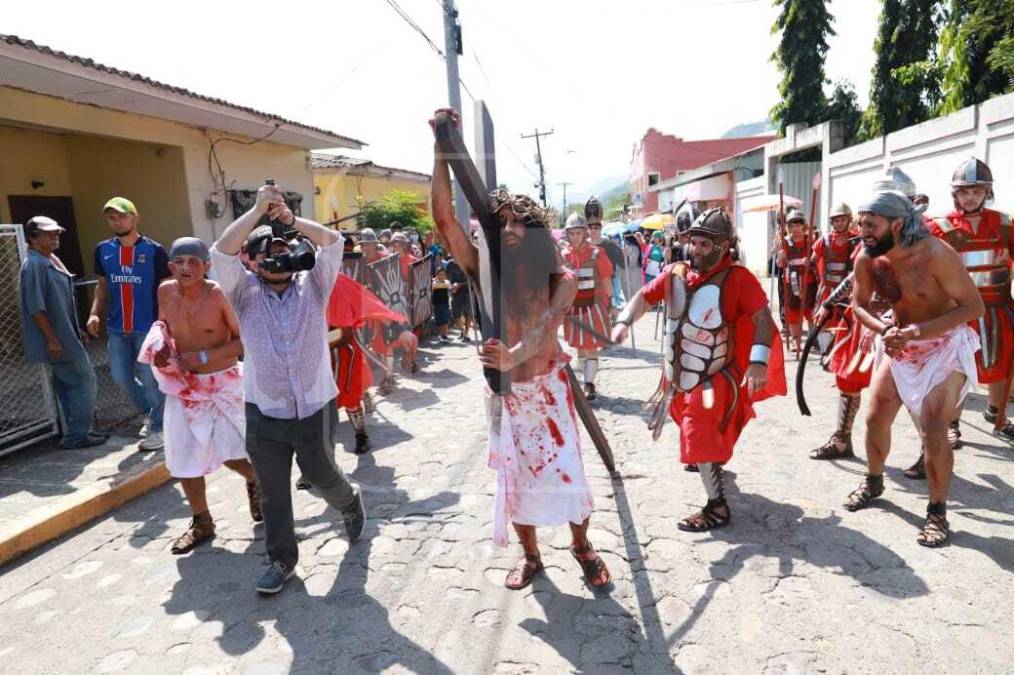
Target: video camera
<point>301,255</point>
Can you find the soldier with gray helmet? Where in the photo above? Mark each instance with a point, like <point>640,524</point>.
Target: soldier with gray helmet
<point>722,354</point>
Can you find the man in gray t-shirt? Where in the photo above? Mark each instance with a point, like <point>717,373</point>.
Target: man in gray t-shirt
<point>51,333</point>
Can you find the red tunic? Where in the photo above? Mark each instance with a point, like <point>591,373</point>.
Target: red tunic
<point>591,304</point>
<point>701,436</point>
<point>350,306</point>
<point>987,254</point>
<point>834,253</point>
<point>797,307</point>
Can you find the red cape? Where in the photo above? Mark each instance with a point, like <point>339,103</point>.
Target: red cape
<point>351,305</point>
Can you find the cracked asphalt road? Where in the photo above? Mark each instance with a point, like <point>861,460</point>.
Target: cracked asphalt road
<point>795,584</point>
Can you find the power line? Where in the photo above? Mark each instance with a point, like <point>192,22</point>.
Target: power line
<point>404,15</point>
<point>411,22</point>
<point>538,157</point>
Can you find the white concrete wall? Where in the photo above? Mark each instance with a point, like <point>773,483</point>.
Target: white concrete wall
<point>752,228</point>
<point>929,153</point>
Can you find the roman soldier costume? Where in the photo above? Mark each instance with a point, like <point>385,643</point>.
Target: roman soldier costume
<point>983,239</point>
<point>834,254</point>
<point>709,343</point>
<point>349,308</point>
<point>590,309</point>
<point>799,285</point>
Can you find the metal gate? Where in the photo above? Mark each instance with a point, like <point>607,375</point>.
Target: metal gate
<point>28,411</point>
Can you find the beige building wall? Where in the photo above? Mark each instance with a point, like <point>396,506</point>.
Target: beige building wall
<point>149,175</point>
<point>340,194</point>
<point>246,166</point>
<point>27,155</point>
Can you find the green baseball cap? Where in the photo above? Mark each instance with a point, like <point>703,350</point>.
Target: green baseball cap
<point>121,204</point>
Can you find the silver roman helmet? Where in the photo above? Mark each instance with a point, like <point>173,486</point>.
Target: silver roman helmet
<point>973,172</point>
<point>896,179</point>
<point>842,209</point>
<point>713,223</point>
<point>575,221</point>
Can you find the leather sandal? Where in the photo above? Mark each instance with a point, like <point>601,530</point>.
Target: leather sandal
<point>523,572</point>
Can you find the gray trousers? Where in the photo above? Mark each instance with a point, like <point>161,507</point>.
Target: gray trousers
<point>271,442</point>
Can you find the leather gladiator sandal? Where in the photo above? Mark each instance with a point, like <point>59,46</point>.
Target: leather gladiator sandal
<point>201,529</point>
<point>871,488</point>
<point>708,518</point>
<point>839,446</point>
<point>936,531</point>
<point>954,435</point>
<point>918,470</point>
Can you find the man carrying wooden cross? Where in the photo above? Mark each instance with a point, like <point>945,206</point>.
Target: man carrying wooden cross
<point>533,437</point>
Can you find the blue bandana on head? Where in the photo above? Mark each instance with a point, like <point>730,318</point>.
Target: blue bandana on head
<point>894,204</point>
<point>189,246</point>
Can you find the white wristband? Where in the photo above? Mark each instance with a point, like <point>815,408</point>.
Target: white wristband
<point>760,354</point>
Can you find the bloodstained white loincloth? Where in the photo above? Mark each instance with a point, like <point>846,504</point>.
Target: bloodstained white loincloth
<point>924,364</point>
<point>535,449</point>
<point>204,421</point>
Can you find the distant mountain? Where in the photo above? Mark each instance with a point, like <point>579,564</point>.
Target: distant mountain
<point>759,128</point>
<point>613,192</point>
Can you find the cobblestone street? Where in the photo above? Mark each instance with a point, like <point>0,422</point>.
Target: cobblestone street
<point>795,584</point>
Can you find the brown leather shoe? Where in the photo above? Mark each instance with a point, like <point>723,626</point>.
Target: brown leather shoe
<point>253,495</point>
<point>201,528</point>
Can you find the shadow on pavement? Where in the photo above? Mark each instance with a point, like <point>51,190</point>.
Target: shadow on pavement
<point>970,499</point>
<point>762,527</point>
<point>346,630</point>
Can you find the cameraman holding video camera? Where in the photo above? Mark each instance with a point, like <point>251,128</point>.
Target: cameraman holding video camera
<point>289,390</point>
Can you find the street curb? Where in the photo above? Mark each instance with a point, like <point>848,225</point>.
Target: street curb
<point>75,510</point>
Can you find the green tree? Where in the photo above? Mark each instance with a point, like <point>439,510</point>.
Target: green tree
<point>805,26</point>
<point>976,52</point>
<point>402,206</point>
<point>844,107</point>
<point>904,78</point>
<point>614,206</point>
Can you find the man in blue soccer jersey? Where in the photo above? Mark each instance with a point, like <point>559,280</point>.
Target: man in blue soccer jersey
<point>130,267</point>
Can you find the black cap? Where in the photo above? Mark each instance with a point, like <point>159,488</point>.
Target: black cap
<point>260,240</point>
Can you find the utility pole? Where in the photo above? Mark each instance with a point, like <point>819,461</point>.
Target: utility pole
<point>564,186</point>
<point>538,158</point>
<point>452,49</point>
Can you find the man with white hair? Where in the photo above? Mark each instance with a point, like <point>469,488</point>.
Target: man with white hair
<point>926,352</point>
<point>587,330</point>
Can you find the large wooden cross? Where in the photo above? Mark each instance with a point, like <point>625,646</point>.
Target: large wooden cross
<point>453,150</point>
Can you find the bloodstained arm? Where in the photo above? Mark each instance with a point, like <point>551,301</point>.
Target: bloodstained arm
<point>462,249</point>
<point>862,295</point>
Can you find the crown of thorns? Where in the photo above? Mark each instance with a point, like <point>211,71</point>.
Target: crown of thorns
<point>523,207</point>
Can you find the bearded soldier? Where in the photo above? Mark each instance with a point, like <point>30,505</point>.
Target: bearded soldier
<point>799,290</point>
<point>722,354</point>
<point>591,304</point>
<point>983,238</point>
